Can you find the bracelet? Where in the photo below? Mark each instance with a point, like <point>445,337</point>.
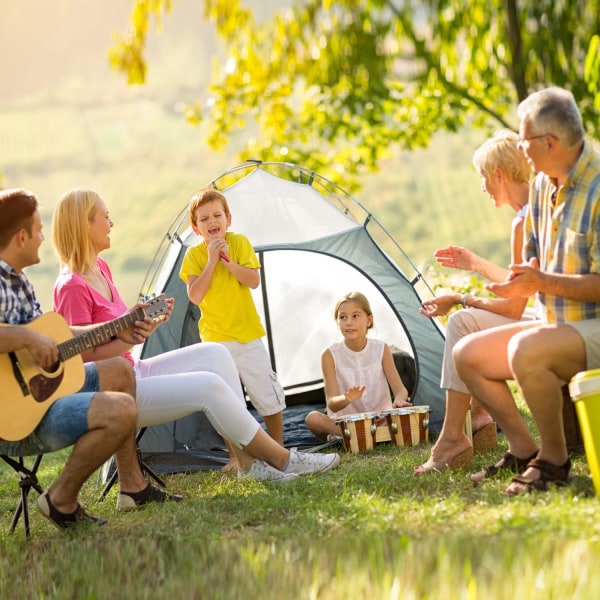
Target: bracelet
<point>463,300</point>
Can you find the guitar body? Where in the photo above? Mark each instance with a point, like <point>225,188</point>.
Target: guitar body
<point>28,391</point>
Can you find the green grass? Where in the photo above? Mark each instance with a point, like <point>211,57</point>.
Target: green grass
<point>370,528</point>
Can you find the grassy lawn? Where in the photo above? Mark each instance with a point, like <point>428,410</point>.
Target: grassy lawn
<point>368,529</point>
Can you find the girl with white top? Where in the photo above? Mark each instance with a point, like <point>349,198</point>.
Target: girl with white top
<point>358,372</point>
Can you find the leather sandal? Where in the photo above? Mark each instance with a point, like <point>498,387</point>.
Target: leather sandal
<point>549,475</point>
<point>509,462</point>
<point>65,520</point>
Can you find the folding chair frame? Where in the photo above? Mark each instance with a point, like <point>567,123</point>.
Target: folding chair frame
<point>28,480</point>
<point>145,469</point>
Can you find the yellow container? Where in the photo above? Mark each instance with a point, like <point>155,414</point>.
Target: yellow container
<point>584,390</point>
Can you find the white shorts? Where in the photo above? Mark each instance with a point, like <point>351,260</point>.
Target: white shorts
<point>589,330</point>
<point>259,379</point>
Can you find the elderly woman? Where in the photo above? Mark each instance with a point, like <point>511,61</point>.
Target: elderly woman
<point>505,176</point>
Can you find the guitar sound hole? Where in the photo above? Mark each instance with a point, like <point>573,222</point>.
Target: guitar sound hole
<point>53,367</point>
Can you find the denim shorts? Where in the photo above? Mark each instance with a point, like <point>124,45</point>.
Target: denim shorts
<point>64,423</point>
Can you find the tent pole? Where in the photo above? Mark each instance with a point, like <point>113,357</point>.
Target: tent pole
<point>265,299</point>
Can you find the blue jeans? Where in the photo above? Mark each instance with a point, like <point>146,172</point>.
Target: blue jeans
<point>64,423</point>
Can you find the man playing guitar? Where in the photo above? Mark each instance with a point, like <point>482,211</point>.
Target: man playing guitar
<point>98,423</point>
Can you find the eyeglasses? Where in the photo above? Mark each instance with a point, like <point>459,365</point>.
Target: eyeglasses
<point>534,137</point>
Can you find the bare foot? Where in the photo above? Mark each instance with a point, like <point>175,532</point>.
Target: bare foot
<point>445,449</point>
<point>480,418</point>
<point>447,454</point>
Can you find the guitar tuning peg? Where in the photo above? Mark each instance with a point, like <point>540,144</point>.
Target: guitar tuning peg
<point>146,297</point>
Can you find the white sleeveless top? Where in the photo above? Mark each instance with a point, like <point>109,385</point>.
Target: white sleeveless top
<point>361,368</point>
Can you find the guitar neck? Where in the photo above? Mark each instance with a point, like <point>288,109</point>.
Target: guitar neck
<point>98,335</point>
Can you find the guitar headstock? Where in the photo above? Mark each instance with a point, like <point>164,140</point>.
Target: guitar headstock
<point>157,307</point>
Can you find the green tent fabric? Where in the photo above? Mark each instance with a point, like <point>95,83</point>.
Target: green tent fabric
<point>315,243</point>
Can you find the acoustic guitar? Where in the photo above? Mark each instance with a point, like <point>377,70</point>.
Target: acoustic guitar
<point>28,390</point>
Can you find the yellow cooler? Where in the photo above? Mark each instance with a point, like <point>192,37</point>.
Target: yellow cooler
<point>585,392</point>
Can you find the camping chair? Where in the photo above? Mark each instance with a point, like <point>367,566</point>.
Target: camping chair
<point>145,469</point>
<point>28,479</point>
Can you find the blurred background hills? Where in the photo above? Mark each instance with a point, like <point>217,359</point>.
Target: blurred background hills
<point>67,121</point>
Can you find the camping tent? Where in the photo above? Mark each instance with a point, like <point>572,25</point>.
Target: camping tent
<point>315,243</point>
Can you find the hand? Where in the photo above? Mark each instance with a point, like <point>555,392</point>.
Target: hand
<point>41,347</point>
<point>522,281</point>
<point>216,247</point>
<point>140,331</point>
<point>170,302</point>
<point>354,393</point>
<point>398,403</point>
<point>456,257</point>
<point>224,253</point>
<point>144,328</point>
<point>438,306</point>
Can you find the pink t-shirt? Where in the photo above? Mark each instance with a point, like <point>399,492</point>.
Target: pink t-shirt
<point>79,303</point>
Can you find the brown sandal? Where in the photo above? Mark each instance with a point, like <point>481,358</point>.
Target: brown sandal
<point>509,462</point>
<point>549,475</point>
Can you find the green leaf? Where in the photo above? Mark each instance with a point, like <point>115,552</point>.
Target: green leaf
<point>343,81</point>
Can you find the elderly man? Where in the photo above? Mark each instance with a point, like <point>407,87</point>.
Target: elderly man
<point>562,248</point>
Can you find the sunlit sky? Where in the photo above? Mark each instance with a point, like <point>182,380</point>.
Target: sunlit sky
<point>67,120</point>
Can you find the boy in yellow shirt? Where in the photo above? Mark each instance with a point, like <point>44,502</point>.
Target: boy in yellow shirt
<point>219,273</point>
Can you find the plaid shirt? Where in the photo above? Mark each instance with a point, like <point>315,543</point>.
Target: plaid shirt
<point>18,304</point>
<point>563,233</point>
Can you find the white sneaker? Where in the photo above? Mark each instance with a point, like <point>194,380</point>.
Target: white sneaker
<point>262,471</point>
<point>303,463</point>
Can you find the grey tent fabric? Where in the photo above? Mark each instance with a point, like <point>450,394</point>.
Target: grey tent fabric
<point>315,243</point>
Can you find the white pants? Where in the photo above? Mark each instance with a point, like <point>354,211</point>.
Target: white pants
<point>198,378</point>
<point>462,323</point>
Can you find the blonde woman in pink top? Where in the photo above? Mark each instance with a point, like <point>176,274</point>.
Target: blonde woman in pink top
<point>198,378</point>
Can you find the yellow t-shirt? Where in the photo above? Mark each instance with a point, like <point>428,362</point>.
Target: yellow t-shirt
<point>227,310</point>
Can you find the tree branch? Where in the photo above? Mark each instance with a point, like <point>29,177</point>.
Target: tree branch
<point>516,45</point>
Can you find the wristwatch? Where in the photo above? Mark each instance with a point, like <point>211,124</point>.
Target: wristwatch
<point>463,300</point>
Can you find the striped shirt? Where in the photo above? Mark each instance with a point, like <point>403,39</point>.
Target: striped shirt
<point>18,303</point>
<point>563,233</point>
